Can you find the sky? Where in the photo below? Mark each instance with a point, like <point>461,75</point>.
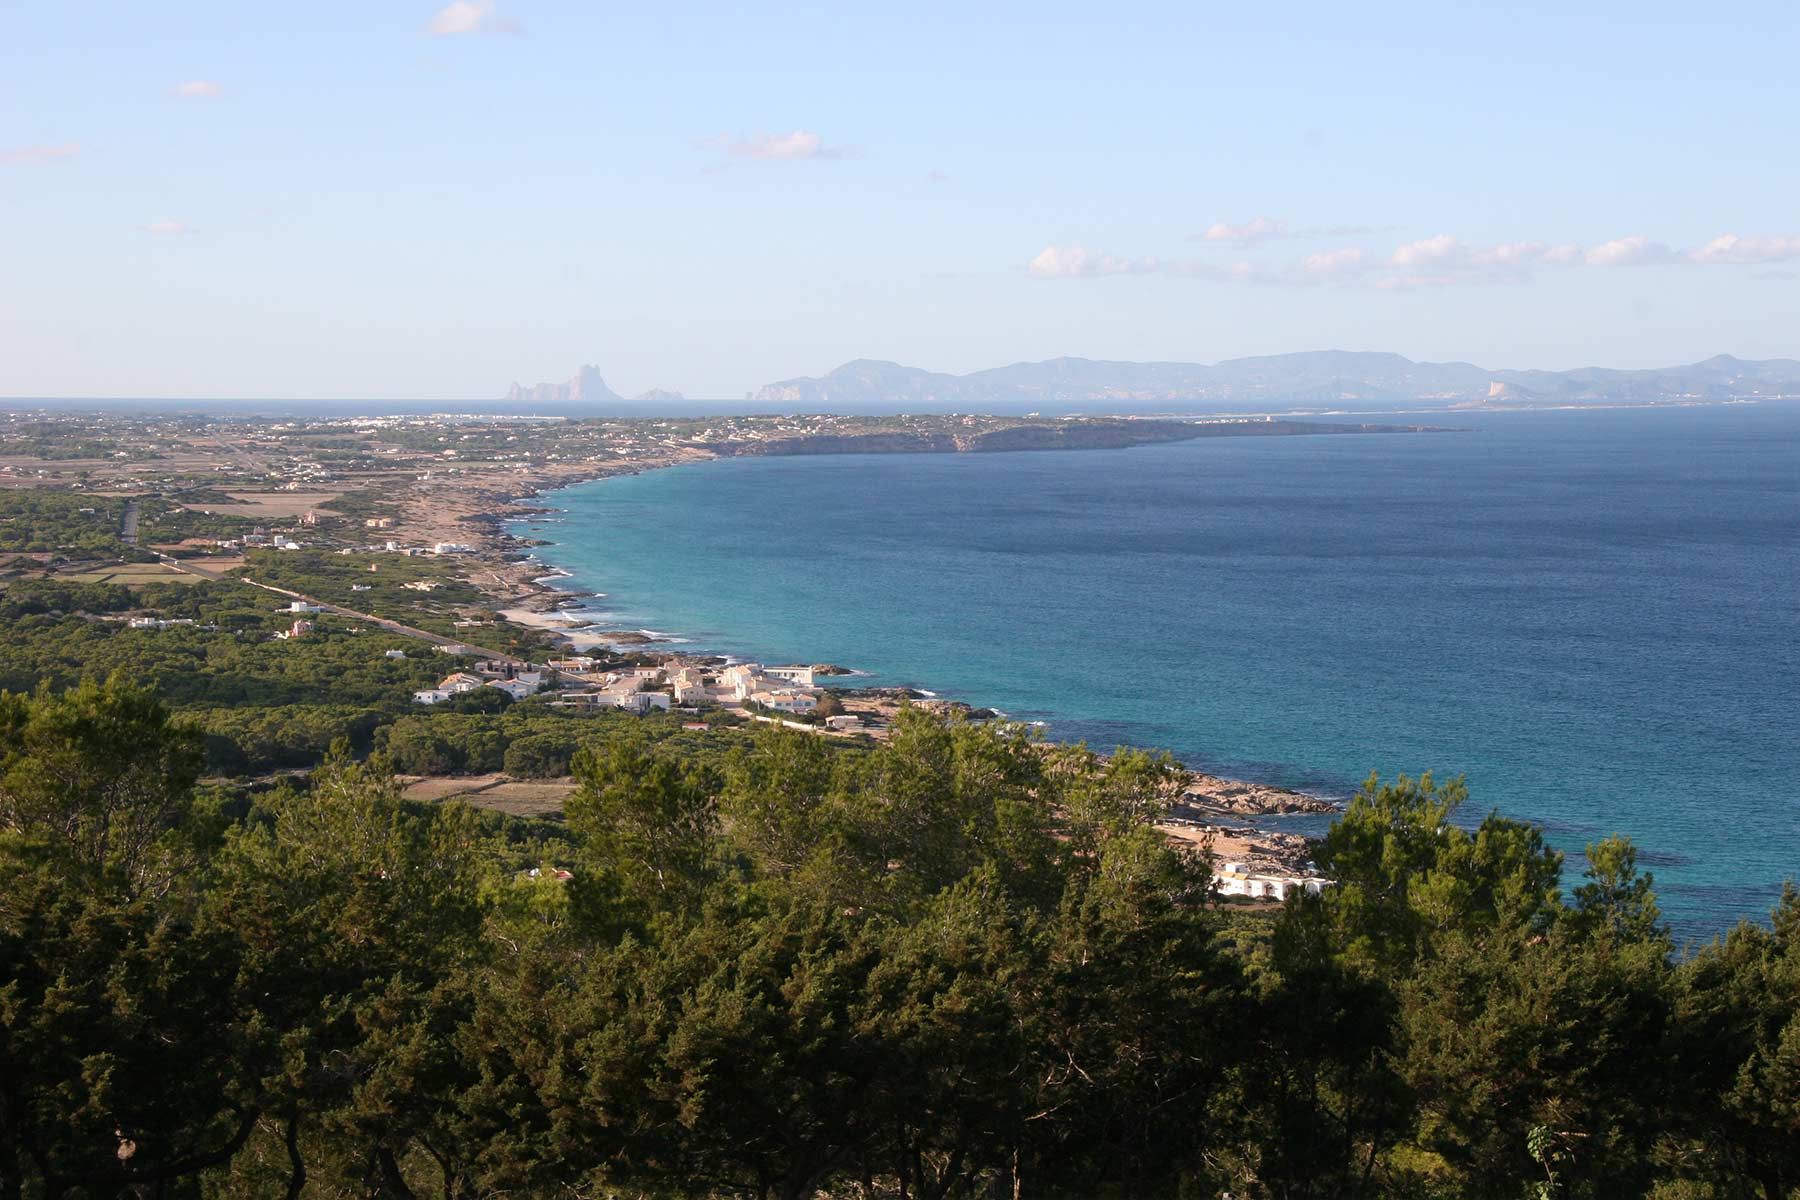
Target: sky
<point>389,199</point>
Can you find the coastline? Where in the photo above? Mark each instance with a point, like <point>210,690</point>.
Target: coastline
<point>1211,810</point>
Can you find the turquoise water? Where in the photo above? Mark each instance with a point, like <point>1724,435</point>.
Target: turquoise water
<point>1594,616</point>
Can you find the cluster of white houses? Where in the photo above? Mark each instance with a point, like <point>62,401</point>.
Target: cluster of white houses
<point>581,680</point>
<point>517,684</point>
<point>691,683</point>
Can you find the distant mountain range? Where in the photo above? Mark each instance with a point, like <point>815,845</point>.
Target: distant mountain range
<point>1321,379</point>
<point>1336,380</point>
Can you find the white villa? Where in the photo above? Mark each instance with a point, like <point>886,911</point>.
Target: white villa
<point>518,689</point>
<point>689,686</point>
<point>1236,879</point>
<point>791,700</point>
<point>637,702</point>
<point>785,689</point>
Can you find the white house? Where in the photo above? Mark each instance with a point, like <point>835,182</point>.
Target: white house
<point>518,689</point>
<point>460,681</point>
<point>1236,879</point>
<point>689,686</point>
<point>452,548</point>
<point>637,702</point>
<point>741,679</point>
<point>301,606</point>
<point>393,654</point>
<point>845,723</point>
<point>798,675</point>
<point>786,700</point>
<point>431,696</point>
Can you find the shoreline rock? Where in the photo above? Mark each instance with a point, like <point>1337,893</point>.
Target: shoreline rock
<point>1251,799</point>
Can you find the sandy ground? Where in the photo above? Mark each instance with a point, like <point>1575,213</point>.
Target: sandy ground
<point>271,505</point>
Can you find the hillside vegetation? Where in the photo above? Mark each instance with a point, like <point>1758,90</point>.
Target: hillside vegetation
<point>962,964</point>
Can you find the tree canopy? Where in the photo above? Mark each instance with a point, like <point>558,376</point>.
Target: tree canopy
<point>964,964</point>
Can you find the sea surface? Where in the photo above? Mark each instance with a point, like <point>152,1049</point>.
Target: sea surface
<point>1593,616</point>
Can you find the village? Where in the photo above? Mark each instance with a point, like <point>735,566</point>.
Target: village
<point>679,683</point>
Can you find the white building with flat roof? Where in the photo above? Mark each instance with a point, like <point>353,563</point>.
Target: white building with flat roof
<point>1237,879</point>
<point>789,700</point>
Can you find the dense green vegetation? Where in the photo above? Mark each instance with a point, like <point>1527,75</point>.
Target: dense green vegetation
<point>962,964</point>
<point>330,577</point>
<point>58,442</point>
<point>533,740</point>
<point>38,521</point>
<point>228,657</point>
<point>163,520</point>
<point>265,704</point>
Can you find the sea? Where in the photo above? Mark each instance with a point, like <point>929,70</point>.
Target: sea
<point>1592,616</point>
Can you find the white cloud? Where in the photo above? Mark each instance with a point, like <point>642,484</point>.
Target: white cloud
<point>1431,251</point>
<point>1730,248</point>
<point>1444,259</point>
<point>1441,260</point>
<point>22,155</point>
<point>196,89</point>
<point>1336,264</point>
<point>1257,229</point>
<point>1241,271</point>
<point>1070,262</point>
<point>469,16</point>
<point>798,146</point>
<point>1633,251</point>
<point>168,228</point>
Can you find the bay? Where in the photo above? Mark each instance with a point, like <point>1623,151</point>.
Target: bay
<point>1594,616</point>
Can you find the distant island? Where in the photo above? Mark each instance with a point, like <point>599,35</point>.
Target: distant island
<point>587,387</point>
<point>1324,380</point>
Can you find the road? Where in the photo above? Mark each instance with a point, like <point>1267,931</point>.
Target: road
<point>128,528</point>
<point>340,610</point>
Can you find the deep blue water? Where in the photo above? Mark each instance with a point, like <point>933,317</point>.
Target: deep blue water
<point>1594,616</point>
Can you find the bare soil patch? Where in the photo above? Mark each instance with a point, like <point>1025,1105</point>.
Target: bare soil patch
<point>270,504</point>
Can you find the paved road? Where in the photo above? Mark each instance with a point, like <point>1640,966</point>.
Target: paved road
<point>128,529</point>
<point>340,610</point>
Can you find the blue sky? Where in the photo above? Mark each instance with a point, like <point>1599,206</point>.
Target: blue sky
<point>404,200</point>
